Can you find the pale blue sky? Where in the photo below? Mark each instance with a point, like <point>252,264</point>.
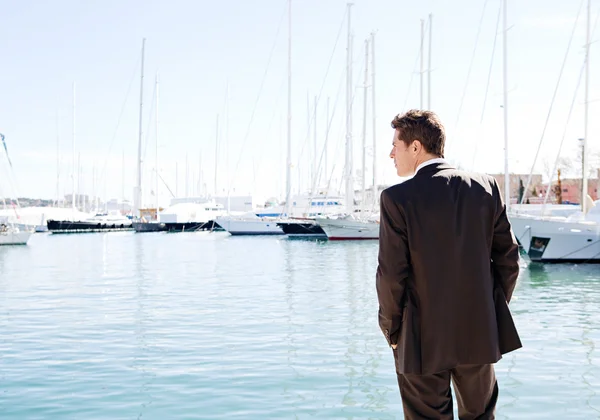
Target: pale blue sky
<point>199,46</point>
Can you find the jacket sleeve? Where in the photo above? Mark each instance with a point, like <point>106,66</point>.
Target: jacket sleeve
<point>505,250</point>
<point>393,268</point>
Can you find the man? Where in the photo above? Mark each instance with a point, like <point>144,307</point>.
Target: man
<point>448,265</point>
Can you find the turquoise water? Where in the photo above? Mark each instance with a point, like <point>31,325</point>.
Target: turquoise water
<point>206,326</point>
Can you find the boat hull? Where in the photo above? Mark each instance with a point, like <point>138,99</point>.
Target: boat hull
<point>302,230</point>
<point>60,226</point>
<point>11,237</point>
<point>247,227</point>
<point>557,240</point>
<point>347,229</point>
<point>146,227</point>
<point>192,226</point>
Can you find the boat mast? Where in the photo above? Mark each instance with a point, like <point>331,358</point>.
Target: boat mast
<point>422,68</point>
<point>315,177</point>
<point>73,201</point>
<point>348,166</point>
<point>326,142</point>
<point>375,188</point>
<point>56,204</point>
<point>156,148</point>
<point>288,171</point>
<point>122,184</point>
<point>138,187</point>
<point>94,188</point>
<point>187,176</point>
<point>504,72</point>
<point>227,148</point>
<point>429,65</point>
<point>584,183</point>
<point>364,133</point>
<point>79,197</point>
<point>216,154</point>
<point>308,168</point>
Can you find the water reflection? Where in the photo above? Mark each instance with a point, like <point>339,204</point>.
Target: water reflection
<point>538,275</point>
<point>292,345</point>
<point>252,328</point>
<point>142,319</point>
<point>350,273</point>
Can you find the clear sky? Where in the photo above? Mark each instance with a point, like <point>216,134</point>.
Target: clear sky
<point>199,48</point>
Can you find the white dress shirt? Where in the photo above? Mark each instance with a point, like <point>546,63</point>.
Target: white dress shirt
<point>430,162</point>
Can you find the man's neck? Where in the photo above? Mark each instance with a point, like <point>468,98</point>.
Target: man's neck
<point>426,160</point>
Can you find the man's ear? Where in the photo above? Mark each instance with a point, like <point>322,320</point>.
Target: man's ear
<point>416,146</point>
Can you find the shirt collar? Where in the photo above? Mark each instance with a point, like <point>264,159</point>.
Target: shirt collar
<point>430,162</point>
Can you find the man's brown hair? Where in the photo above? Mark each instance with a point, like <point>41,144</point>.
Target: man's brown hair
<point>424,126</point>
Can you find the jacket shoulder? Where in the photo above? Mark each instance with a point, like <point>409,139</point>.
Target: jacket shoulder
<point>488,182</point>
<point>399,191</point>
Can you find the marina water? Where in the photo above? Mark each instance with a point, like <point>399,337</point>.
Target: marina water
<point>207,326</point>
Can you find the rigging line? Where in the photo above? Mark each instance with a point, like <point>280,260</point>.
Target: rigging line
<point>275,109</point>
<point>562,68</point>
<point>13,183</point>
<point>324,148</point>
<point>462,99</point>
<point>262,83</point>
<point>414,71</point>
<point>551,174</point>
<point>329,124</point>
<point>2,194</point>
<point>587,261</point>
<point>562,140</point>
<point>351,107</point>
<point>120,117</point>
<point>581,249</point>
<point>330,120</point>
<point>527,230</point>
<point>337,39</point>
<point>412,76</point>
<point>150,121</point>
<point>489,79</point>
<point>341,141</point>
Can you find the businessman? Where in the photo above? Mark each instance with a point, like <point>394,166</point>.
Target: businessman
<point>448,265</point>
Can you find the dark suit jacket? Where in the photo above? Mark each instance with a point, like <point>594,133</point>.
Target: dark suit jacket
<point>448,264</point>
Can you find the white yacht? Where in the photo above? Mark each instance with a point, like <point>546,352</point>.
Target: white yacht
<point>264,221</point>
<point>190,216</point>
<point>575,238</point>
<point>249,224</point>
<point>12,235</point>
<point>349,227</point>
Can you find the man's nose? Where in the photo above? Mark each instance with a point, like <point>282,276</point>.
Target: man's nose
<point>392,153</point>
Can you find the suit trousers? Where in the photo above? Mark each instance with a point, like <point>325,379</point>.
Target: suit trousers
<point>430,397</point>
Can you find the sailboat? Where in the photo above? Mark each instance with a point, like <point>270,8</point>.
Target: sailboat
<point>319,202</point>
<point>82,222</point>
<point>143,225</point>
<point>11,233</point>
<point>251,224</point>
<point>348,226</point>
<point>575,238</point>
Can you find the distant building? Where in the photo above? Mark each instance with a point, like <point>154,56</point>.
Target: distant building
<point>515,184</point>
<point>571,190</point>
<point>237,203</point>
<point>370,198</point>
<point>115,205</point>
